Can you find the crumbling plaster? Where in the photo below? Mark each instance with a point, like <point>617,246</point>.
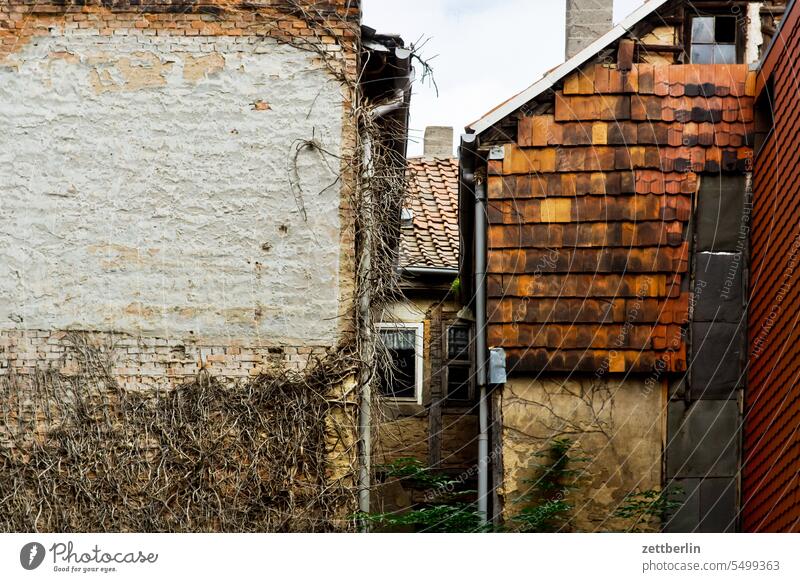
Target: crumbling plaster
<point>148,187</point>
<point>616,424</point>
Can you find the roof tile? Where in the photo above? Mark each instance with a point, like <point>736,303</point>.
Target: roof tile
<point>432,238</point>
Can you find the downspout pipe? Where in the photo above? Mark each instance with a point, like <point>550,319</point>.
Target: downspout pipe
<point>473,189</point>
<point>365,316</point>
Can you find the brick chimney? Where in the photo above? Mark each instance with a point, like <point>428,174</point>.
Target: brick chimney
<point>438,142</point>
<point>587,20</point>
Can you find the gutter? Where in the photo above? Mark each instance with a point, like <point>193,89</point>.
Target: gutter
<point>394,105</point>
<point>436,271</point>
<point>472,187</point>
<point>366,351</point>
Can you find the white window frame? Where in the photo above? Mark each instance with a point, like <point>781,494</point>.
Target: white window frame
<point>418,358</point>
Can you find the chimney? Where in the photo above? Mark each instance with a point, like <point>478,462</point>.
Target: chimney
<point>438,142</point>
<point>587,20</point>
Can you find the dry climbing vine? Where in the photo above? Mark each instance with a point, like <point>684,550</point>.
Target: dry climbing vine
<point>80,453</point>
<point>277,452</point>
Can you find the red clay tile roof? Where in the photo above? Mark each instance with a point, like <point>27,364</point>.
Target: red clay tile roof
<point>432,238</point>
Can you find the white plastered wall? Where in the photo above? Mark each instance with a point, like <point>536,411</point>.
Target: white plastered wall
<point>147,188</point>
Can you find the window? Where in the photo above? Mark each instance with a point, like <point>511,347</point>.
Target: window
<point>714,40</point>
<point>460,385</point>
<point>402,378</point>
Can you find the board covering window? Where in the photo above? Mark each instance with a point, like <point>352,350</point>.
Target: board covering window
<point>401,376</point>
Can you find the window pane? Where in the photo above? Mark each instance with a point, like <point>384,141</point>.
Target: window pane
<point>458,382</point>
<point>399,339</point>
<point>725,54</point>
<point>703,54</point>
<point>399,380</point>
<point>703,29</point>
<point>725,29</point>
<point>458,343</point>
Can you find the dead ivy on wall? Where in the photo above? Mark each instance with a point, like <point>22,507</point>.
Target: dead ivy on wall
<point>80,453</point>
<point>276,452</point>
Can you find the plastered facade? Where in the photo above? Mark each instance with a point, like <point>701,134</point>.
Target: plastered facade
<point>616,424</point>
<point>175,199</point>
<point>150,187</point>
<point>165,191</point>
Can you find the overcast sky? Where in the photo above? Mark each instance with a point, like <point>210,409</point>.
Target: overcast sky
<point>482,51</point>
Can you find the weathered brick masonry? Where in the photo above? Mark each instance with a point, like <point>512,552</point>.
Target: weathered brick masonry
<point>176,184</point>
<point>155,48</point>
<point>771,463</point>
<point>142,362</point>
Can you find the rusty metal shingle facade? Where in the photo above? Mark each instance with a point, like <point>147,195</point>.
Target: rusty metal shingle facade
<point>589,213</point>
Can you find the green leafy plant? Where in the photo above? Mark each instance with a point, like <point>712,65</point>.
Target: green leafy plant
<point>647,508</point>
<point>547,508</point>
<point>414,471</point>
<point>455,286</point>
<point>547,504</point>
<point>433,518</point>
<point>445,513</point>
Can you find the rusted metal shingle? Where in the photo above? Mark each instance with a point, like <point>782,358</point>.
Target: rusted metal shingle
<point>589,212</point>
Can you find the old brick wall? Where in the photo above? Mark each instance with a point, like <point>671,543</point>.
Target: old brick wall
<point>771,470</point>
<point>153,184</point>
<point>141,362</point>
<point>176,180</point>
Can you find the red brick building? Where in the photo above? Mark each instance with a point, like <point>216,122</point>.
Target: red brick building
<point>771,464</point>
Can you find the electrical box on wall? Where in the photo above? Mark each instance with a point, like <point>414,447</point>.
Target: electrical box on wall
<point>497,366</point>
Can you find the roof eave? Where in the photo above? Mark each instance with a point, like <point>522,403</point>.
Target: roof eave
<point>554,76</point>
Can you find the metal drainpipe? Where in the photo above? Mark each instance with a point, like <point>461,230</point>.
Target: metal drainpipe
<point>367,351</point>
<point>367,348</point>
<point>480,347</point>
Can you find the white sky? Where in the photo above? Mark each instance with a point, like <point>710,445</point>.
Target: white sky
<point>482,51</point>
